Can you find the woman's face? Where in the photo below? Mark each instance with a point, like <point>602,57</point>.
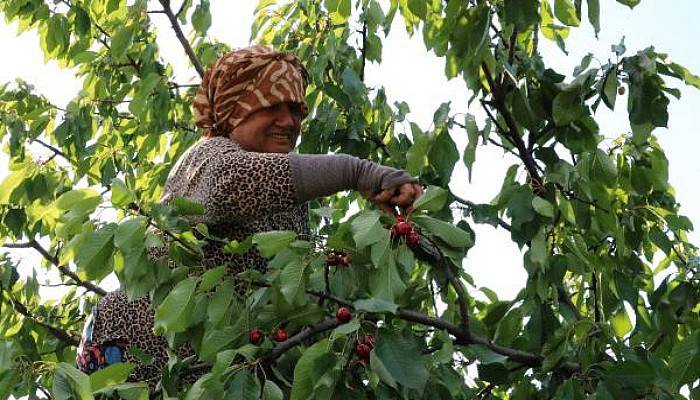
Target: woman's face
<point>272,129</point>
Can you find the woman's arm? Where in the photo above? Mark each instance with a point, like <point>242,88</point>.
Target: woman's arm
<point>241,184</point>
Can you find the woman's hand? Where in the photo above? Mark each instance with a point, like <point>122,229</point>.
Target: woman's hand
<point>402,196</point>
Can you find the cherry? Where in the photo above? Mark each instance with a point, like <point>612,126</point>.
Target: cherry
<point>413,238</point>
<point>621,90</point>
<point>256,336</point>
<point>362,351</point>
<point>280,335</point>
<point>343,315</point>
<point>345,260</point>
<point>403,228</point>
<point>400,218</point>
<point>331,260</point>
<point>369,341</point>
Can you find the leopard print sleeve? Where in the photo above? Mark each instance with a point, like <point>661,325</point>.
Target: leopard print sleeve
<point>238,185</point>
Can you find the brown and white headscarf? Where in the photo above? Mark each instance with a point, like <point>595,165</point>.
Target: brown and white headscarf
<point>244,81</point>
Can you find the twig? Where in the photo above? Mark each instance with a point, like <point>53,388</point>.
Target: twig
<point>55,150</point>
<point>456,285</point>
<point>62,268</point>
<point>503,224</point>
<point>363,51</point>
<point>181,37</point>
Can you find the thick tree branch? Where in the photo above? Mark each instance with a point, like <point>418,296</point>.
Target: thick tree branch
<point>461,334</point>
<point>58,333</point>
<point>62,268</point>
<point>181,37</point>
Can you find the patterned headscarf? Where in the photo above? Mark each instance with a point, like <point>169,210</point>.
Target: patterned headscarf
<point>244,81</point>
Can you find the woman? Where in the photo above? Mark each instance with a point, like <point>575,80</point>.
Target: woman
<point>250,104</point>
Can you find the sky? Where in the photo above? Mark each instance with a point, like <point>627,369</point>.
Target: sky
<point>409,73</point>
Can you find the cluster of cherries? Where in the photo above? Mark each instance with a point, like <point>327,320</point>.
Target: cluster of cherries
<point>363,348</point>
<point>256,336</point>
<point>338,258</point>
<point>404,228</point>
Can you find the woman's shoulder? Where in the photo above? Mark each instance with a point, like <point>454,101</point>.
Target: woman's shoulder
<point>210,146</point>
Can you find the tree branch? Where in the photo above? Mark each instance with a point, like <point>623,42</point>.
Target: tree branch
<point>58,333</point>
<point>181,37</point>
<point>306,333</point>
<point>499,103</point>
<point>62,268</point>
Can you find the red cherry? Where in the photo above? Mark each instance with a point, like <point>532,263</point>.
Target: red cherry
<point>400,218</point>
<point>332,260</point>
<point>345,260</point>
<point>413,238</point>
<point>280,335</point>
<point>343,315</point>
<point>256,336</point>
<point>403,228</point>
<point>369,341</point>
<point>362,351</point>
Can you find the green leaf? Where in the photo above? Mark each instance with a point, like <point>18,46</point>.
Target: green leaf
<point>432,200</point>
<point>543,207</point>
<point>594,15</point>
<point>80,201</point>
<point>352,85</point>
<point>142,93</point>
<point>184,206</point>
<point>521,13</point>
<point>443,156</point>
<point>271,391</point>
<point>629,3</point>
<point>304,373</point>
<point>566,12</point>
<point>567,107</point>
<point>349,327</point>
<point>271,242</point>
<point>112,375</point>
<point>386,283</point>
<point>173,313</point>
<point>126,391</point>
<point>366,229</point>
<point>244,386</point>
<point>402,359</point>
<point>419,8</point>
<point>610,88</point>
<point>621,323</point>
<point>70,383</point>
<point>122,40</point>
<point>13,181</point>
<point>95,254</point>
<point>550,30</point>
<point>449,233</point>
<point>211,278</point>
<point>473,137</point>
<point>201,18</point>
<point>375,305</point>
<point>685,360</point>
<point>292,280</point>
<point>122,196</point>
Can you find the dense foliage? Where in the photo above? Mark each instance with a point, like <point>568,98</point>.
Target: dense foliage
<point>597,223</point>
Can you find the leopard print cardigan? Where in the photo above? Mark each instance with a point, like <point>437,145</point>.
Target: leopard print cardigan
<point>242,193</point>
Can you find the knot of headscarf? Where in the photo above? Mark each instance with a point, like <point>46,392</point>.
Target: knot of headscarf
<point>244,81</point>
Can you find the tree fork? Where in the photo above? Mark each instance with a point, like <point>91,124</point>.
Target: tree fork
<point>181,37</point>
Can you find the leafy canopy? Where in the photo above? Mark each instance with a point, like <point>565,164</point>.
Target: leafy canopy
<point>597,223</point>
